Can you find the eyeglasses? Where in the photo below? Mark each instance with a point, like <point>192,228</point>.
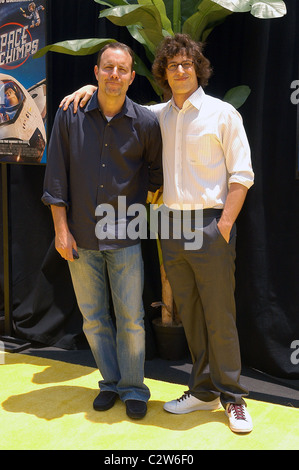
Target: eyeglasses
<point>187,64</point>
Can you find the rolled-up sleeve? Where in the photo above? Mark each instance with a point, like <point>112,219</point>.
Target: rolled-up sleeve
<point>236,149</point>
<point>55,190</point>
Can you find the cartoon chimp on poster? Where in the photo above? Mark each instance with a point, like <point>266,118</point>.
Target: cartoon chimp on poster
<point>23,106</point>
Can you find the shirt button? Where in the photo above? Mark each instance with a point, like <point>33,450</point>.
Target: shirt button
<point>103,165</point>
<point>101,185</point>
<point>106,145</point>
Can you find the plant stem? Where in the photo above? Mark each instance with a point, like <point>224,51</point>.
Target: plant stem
<point>167,299</point>
<point>176,16</point>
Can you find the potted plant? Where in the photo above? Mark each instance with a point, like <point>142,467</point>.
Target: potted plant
<point>169,332</point>
<point>149,21</point>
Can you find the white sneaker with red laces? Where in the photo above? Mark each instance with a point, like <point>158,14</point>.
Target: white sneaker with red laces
<point>188,403</point>
<point>239,418</point>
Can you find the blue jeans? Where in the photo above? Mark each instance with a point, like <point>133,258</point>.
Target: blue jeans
<point>119,352</point>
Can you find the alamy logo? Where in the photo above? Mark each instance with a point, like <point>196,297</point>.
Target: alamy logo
<point>295,94</point>
<point>295,353</point>
<point>136,222</point>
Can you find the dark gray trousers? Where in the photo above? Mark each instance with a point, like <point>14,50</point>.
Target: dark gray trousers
<point>203,286</point>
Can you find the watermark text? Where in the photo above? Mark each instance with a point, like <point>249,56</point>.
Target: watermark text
<point>295,94</point>
<point>136,222</point>
<point>295,354</point>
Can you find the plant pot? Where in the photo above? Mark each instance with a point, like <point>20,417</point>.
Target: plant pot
<point>170,340</point>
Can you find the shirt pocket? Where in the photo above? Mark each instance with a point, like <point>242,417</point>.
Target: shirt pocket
<point>198,148</point>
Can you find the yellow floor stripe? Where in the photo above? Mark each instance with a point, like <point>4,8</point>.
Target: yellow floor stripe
<point>47,404</point>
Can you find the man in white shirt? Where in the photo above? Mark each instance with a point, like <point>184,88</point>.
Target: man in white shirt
<point>206,163</point>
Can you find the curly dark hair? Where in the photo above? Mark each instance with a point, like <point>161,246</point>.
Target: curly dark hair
<point>177,45</point>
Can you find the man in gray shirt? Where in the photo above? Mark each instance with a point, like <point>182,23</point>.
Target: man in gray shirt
<point>109,150</point>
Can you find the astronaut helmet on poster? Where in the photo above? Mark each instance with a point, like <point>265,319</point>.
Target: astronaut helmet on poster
<point>22,130</point>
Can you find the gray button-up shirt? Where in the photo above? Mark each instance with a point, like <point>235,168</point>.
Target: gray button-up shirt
<point>92,161</point>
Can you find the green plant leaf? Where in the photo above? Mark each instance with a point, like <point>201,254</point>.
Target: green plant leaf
<point>152,38</point>
<point>135,33</point>
<point>201,23</point>
<point>146,15</point>
<point>75,47</point>
<point>160,5</point>
<point>146,18</point>
<point>166,23</point>
<point>111,3</point>
<point>274,9</point>
<point>258,8</point>
<point>236,6</point>
<point>188,8</point>
<point>142,69</point>
<point>237,96</point>
<point>82,47</point>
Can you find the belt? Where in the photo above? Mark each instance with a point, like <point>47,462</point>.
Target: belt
<point>174,213</point>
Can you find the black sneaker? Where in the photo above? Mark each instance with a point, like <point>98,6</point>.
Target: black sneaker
<point>136,409</point>
<point>105,400</point>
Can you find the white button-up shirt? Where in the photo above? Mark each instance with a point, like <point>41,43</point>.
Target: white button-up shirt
<point>205,148</point>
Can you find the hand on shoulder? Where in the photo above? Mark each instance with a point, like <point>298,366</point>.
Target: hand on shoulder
<point>79,97</point>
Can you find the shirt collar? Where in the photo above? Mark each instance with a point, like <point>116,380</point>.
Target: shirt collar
<point>128,108</point>
<point>195,99</point>
<point>92,103</point>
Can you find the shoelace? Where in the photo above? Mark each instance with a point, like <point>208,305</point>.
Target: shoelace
<point>238,411</point>
<point>184,396</point>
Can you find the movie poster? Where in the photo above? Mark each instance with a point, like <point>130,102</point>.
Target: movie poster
<point>23,104</point>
